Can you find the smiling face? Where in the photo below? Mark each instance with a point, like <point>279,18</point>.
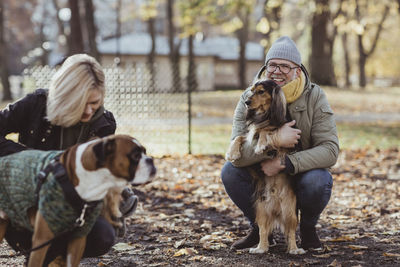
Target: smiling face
<point>278,75</point>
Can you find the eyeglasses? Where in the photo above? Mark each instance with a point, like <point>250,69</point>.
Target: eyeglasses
<point>282,67</point>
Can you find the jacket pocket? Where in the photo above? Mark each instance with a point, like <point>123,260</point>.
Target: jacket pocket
<point>326,109</point>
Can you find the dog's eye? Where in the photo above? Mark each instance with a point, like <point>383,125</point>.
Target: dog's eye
<point>260,92</point>
<point>136,154</point>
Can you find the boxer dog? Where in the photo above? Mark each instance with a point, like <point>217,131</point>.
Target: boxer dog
<point>50,191</point>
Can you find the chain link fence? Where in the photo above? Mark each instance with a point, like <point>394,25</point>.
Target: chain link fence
<point>155,115</point>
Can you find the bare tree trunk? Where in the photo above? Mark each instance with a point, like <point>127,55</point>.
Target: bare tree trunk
<point>362,59</point>
<point>42,39</point>
<point>243,38</point>
<point>76,45</point>
<point>91,29</point>
<point>363,54</point>
<point>60,25</point>
<point>173,49</point>
<point>151,56</point>
<point>3,58</point>
<point>347,65</point>
<point>322,71</point>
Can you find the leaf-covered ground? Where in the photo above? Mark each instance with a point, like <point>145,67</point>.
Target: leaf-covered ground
<point>185,218</point>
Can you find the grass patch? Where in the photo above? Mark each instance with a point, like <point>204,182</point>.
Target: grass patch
<point>374,135</point>
<point>214,139</point>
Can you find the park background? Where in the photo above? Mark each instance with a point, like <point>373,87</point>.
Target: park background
<point>175,70</point>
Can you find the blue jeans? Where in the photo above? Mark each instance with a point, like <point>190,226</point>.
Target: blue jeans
<point>313,190</point>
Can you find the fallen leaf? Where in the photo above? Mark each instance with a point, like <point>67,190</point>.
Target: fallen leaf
<point>343,238</point>
<point>327,255</point>
<point>357,247</point>
<point>179,243</point>
<point>335,263</point>
<point>185,251</point>
<point>387,254</point>
<point>122,246</point>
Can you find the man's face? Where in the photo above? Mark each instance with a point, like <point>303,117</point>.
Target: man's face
<point>282,71</point>
<point>92,105</point>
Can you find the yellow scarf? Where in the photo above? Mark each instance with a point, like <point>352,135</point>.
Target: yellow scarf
<point>294,89</point>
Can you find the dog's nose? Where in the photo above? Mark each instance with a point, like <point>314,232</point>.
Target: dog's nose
<point>248,102</point>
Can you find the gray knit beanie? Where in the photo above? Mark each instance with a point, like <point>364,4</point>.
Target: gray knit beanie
<point>284,48</point>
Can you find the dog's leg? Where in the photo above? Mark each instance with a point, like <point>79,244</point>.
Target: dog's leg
<point>262,142</point>
<point>111,210</point>
<point>273,139</point>
<point>75,250</point>
<point>264,223</point>
<point>290,223</point>
<point>3,224</point>
<point>41,234</point>
<point>234,149</point>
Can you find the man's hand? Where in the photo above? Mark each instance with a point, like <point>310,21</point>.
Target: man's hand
<point>272,167</point>
<point>288,136</point>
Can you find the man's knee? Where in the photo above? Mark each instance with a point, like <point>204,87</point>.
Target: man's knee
<point>313,187</point>
<point>227,173</point>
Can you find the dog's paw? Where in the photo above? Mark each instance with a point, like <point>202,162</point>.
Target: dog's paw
<point>232,156</point>
<point>297,251</point>
<point>259,149</point>
<point>257,250</point>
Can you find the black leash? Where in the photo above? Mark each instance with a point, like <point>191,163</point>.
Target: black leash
<point>70,194</point>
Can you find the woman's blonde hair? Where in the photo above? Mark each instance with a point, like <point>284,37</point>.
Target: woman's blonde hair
<point>69,89</point>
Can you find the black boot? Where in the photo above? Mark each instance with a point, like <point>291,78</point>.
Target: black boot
<point>248,241</point>
<point>309,238</point>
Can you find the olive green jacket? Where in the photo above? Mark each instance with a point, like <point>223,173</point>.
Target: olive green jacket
<point>314,117</point>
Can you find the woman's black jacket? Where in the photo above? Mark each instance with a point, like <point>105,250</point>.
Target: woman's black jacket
<point>27,117</point>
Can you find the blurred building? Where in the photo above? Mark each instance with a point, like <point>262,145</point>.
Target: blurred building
<point>216,58</point>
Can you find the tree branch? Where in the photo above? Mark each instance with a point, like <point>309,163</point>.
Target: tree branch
<point>379,30</point>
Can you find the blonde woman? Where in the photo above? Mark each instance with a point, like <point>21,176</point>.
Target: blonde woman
<point>71,111</point>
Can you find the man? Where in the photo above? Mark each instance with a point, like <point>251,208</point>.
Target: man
<point>315,138</point>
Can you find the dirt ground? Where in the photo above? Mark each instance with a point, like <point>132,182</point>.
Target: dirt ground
<point>185,218</point>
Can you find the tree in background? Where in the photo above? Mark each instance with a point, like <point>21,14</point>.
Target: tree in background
<point>91,29</point>
<point>3,57</point>
<point>323,34</point>
<point>148,14</point>
<point>364,25</point>
<point>76,44</point>
<point>270,21</point>
<point>240,11</point>
<point>174,47</point>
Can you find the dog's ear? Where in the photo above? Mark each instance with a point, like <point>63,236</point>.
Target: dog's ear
<point>278,107</point>
<point>102,150</point>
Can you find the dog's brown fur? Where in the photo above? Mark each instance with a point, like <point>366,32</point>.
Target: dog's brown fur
<point>275,203</point>
<point>111,210</point>
<point>120,155</point>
